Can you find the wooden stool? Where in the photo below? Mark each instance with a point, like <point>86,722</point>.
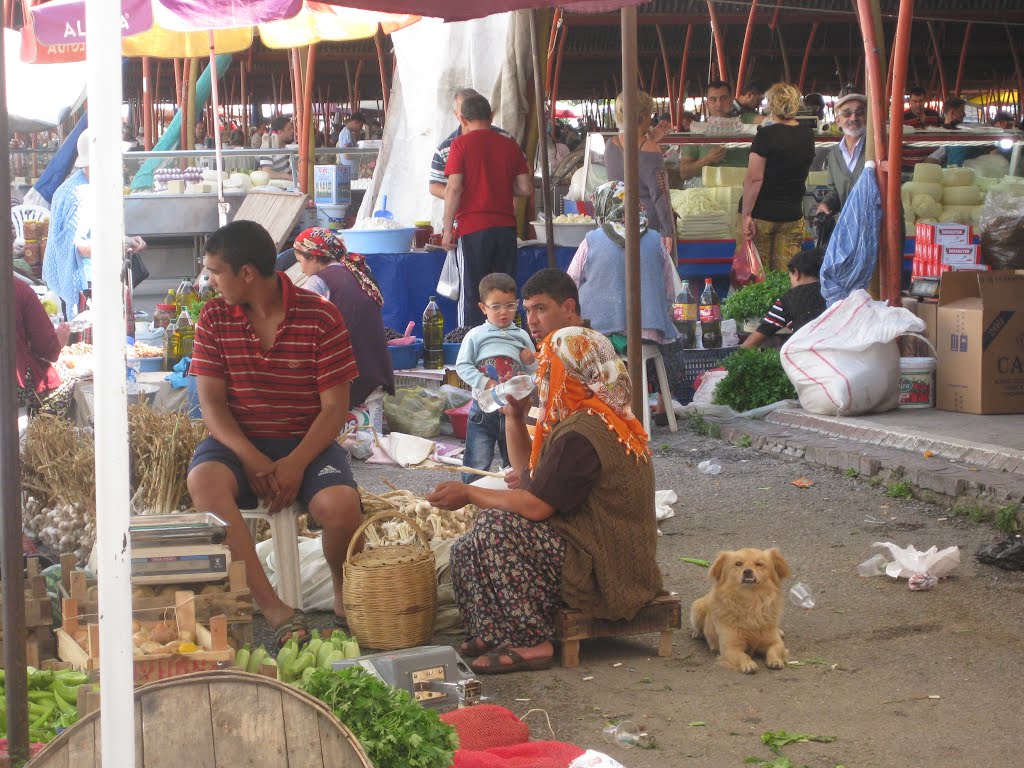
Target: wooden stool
<point>663,614</point>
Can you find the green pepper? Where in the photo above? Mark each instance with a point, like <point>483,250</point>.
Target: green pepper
<point>43,718</point>
<point>62,692</point>
<point>72,678</point>
<point>40,696</point>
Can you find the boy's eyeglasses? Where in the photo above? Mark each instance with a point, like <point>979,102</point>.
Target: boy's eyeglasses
<point>510,307</point>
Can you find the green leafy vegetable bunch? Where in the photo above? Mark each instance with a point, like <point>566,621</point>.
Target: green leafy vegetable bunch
<point>753,301</point>
<point>755,378</point>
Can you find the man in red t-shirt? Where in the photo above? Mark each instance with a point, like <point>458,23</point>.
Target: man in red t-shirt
<point>485,172</point>
<point>274,366</point>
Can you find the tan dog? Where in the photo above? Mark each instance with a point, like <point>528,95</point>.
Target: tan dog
<point>740,615</point>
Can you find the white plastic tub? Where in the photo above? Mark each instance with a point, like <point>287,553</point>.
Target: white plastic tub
<point>917,382</point>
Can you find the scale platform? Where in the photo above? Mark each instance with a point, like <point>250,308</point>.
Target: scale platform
<point>435,675</point>
<point>169,549</point>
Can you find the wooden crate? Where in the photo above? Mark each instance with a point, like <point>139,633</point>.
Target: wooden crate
<point>236,605</point>
<point>215,653</point>
<point>662,615</point>
<point>40,643</point>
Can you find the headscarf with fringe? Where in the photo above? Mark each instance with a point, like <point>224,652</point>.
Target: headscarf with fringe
<point>322,244</point>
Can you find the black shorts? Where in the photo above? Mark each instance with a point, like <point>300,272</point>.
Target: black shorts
<point>327,470</point>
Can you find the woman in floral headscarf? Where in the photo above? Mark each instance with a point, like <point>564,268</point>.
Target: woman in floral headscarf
<point>581,528</point>
<point>599,270</point>
<point>344,280</point>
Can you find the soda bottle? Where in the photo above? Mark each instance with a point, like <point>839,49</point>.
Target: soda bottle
<point>496,397</point>
<point>433,336</point>
<point>684,315</point>
<point>710,317</point>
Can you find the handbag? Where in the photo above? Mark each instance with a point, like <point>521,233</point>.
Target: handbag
<point>139,270</point>
<point>746,265</point>
<point>450,283</point>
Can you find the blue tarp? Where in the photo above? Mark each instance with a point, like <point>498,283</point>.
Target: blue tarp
<point>62,162</point>
<point>852,253</point>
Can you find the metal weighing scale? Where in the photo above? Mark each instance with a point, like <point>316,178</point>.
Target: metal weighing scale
<point>434,674</point>
<point>170,549</point>
<point>925,287</point>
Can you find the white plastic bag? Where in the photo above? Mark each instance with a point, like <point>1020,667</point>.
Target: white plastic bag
<point>450,283</point>
<point>846,362</point>
<point>909,562</point>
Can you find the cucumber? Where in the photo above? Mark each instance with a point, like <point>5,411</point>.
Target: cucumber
<point>255,659</point>
<point>303,662</point>
<point>328,663</point>
<point>308,673</point>
<point>326,649</point>
<point>352,649</point>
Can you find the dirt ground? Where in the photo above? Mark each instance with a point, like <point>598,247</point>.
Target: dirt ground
<point>898,678</point>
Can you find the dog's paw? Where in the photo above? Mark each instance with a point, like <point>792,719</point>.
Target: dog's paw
<point>775,663</point>
<point>748,666</point>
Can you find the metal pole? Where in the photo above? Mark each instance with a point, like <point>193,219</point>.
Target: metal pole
<point>682,73</point>
<point>147,103</point>
<point>117,702</point>
<point>938,60</point>
<point>741,74</point>
<point>378,40</point>
<point>1017,70</point>
<point>673,118</point>
<point>890,280</point>
<point>542,137</point>
<point>306,159</point>
<point>963,58</point>
<point>558,72</point>
<point>632,173</point>
<point>222,207</point>
<point>807,57</point>
<point>10,477</point>
<point>785,56</point>
<point>716,33</point>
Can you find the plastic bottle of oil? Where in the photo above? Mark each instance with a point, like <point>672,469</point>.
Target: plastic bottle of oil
<point>433,336</point>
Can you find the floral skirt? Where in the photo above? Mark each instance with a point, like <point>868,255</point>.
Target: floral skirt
<point>507,575</point>
<point>56,402</point>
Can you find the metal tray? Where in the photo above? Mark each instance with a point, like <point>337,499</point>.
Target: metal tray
<point>196,526</point>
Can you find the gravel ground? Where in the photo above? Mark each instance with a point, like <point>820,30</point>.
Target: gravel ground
<point>901,678</point>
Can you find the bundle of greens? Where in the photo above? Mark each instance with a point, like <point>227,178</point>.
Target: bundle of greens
<point>752,302</point>
<point>755,379</point>
<point>394,729</point>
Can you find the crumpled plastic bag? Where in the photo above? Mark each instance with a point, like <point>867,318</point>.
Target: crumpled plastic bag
<point>415,411</point>
<point>592,759</point>
<point>663,501</point>
<point>1001,224</point>
<point>1007,554</point>
<point>908,561</point>
<point>360,444</point>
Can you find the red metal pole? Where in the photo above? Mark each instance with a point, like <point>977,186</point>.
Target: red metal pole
<point>552,39</point>
<point>682,72</point>
<point>893,215</point>
<point>1017,68</point>
<point>243,87</point>
<point>307,120</point>
<point>875,81</point>
<point>378,40</point>
<point>558,75</point>
<point>716,31</point>
<point>888,74</point>
<point>807,57</point>
<point>741,74</point>
<point>963,58</point>
<point>668,77</point>
<point>938,60</point>
<point>785,57</point>
<point>774,23</point>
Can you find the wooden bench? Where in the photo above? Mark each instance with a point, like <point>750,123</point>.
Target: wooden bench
<point>663,615</point>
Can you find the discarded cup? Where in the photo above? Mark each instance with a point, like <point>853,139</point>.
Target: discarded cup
<point>800,596</point>
<point>873,566</point>
<point>710,467</point>
<point>625,733</point>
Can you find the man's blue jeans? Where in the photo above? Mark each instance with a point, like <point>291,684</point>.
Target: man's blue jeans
<point>483,430</point>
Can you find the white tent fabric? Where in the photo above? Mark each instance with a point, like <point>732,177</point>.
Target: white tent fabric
<point>37,94</point>
<point>435,60</point>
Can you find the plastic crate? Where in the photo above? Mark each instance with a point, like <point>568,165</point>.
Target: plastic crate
<point>694,362</point>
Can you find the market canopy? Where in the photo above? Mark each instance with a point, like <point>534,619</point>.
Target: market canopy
<point>39,95</point>
<point>461,10</point>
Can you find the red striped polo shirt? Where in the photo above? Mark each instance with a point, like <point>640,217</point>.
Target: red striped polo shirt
<point>275,393</point>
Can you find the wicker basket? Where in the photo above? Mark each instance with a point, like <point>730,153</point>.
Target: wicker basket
<point>390,592</point>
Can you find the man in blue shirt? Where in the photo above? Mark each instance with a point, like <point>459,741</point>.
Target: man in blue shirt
<point>352,131</point>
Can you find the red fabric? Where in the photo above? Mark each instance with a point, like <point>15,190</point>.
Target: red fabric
<point>532,754</point>
<point>36,342</point>
<point>489,164</point>
<point>275,393</point>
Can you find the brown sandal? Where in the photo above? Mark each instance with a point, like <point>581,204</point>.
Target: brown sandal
<point>473,647</point>
<point>519,664</point>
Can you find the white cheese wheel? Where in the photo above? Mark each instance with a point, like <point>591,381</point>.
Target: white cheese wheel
<point>925,207</point>
<point>240,180</point>
<point>259,178</point>
<point>914,188</point>
<point>928,172</point>
<point>961,214</point>
<point>961,195</point>
<point>957,177</point>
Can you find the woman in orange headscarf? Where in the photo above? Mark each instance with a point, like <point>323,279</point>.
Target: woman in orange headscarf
<point>579,531</point>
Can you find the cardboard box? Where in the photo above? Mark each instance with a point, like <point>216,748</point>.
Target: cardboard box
<point>981,342</point>
<point>927,310</point>
<point>332,184</point>
<point>943,234</point>
<point>959,255</point>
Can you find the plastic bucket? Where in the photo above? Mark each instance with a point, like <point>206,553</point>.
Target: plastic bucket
<point>331,216</point>
<point>917,382</point>
<point>459,417</point>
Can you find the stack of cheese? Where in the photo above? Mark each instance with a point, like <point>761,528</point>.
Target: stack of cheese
<point>953,194</point>
<point>701,215</point>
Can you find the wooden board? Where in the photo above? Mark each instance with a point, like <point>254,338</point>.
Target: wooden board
<point>277,212</point>
<point>662,615</point>
<point>161,743</point>
<point>302,728</point>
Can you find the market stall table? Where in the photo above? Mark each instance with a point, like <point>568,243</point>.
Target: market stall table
<point>167,398</point>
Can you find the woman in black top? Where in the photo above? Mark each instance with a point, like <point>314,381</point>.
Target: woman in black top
<point>800,304</point>
<point>773,190</point>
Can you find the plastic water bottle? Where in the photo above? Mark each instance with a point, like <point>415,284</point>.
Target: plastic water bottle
<point>800,596</point>
<point>710,467</point>
<point>625,733</point>
<point>494,398</point>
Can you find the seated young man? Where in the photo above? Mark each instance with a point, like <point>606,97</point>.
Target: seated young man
<point>274,364</point>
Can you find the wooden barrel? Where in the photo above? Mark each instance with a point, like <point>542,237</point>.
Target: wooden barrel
<point>215,720</point>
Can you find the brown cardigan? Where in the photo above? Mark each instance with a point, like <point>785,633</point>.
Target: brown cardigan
<point>610,570</point>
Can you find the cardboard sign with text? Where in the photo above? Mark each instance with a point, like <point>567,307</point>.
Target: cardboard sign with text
<point>981,342</point>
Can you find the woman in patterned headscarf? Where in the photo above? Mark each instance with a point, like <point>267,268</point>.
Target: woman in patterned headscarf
<point>581,528</point>
<point>344,280</point>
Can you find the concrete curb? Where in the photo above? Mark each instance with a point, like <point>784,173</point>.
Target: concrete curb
<point>934,478</point>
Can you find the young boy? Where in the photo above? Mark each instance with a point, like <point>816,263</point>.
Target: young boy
<point>492,353</point>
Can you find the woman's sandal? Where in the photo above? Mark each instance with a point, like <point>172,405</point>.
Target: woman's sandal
<point>473,647</point>
<point>293,627</point>
<point>519,664</point>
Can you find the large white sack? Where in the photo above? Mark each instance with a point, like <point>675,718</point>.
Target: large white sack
<point>846,362</point>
